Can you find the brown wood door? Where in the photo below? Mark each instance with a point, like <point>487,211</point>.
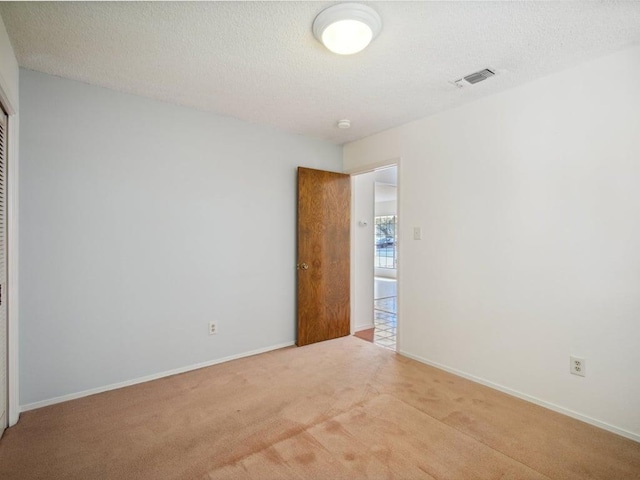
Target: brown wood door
<point>324,211</point>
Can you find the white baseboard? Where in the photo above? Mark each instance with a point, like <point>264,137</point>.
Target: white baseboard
<point>148,378</point>
<point>529,398</point>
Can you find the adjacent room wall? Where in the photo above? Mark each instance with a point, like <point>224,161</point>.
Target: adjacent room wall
<point>141,222</point>
<point>530,212</point>
<point>389,207</point>
<point>362,250</point>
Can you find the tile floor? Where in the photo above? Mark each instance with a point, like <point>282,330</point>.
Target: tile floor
<point>385,313</point>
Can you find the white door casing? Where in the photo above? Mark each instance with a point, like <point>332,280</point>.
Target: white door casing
<point>3,274</point>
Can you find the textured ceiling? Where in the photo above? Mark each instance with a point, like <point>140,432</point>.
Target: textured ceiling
<point>259,61</point>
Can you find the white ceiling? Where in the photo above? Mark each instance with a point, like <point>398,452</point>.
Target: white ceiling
<point>259,61</point>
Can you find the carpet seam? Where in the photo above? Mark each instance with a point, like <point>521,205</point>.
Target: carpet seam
<point>467,434</point>
<point>472,437</point>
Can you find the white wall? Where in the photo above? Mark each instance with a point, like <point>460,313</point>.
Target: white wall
<point>362,249</point>
<point>141,222</point>
<point>390,207</point>
<point>9,88</point>
<point>8,67</point>
<point>530,210</point>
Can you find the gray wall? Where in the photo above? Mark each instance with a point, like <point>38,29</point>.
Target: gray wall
<point>141,222</point>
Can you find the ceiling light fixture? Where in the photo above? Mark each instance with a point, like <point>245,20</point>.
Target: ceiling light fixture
<point>347,28</point>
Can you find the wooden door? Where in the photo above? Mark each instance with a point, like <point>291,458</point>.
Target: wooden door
<point>3,273</point>
<point>324,211</point>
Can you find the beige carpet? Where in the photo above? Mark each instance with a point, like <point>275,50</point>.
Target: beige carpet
<point>344,409</point>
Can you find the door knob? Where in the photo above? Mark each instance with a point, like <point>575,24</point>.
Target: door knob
<point>302,266</point>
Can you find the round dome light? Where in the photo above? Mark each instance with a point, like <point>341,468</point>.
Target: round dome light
<point>347,28</point>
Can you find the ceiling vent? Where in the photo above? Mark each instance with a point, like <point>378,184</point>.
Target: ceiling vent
<point>474,78</point>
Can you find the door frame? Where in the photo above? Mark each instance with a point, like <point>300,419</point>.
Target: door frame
<point>397,162</point>
<point>10,106</point>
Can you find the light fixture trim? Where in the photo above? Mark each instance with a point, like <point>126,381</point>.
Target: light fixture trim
<point>363,17</point>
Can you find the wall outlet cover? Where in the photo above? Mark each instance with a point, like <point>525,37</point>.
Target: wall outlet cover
<point>577,366</point>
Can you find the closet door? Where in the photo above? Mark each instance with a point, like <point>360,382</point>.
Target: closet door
<point>3,272</point>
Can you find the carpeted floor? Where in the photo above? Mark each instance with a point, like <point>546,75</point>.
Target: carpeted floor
<point>343,409</point>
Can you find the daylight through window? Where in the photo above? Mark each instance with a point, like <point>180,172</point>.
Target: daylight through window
<point>386,255</point>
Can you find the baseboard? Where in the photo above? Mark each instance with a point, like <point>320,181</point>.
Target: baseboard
<point>359,328</point>
<point>529,398</point>
<point>148,378</point>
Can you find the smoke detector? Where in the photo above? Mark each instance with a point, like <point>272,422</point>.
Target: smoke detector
<point>474,78</point>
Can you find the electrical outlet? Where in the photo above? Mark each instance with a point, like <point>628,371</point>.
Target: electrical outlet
<point>213,328</point>
<point>577,366</point>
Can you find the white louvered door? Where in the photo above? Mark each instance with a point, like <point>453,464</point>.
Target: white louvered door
<point>3,272</point>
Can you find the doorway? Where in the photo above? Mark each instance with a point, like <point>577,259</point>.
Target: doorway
<point>375,256</point>
<point>385,288</point>
<point>385,312</point>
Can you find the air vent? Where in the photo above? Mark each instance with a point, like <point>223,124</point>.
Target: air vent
<point>475,77</point>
